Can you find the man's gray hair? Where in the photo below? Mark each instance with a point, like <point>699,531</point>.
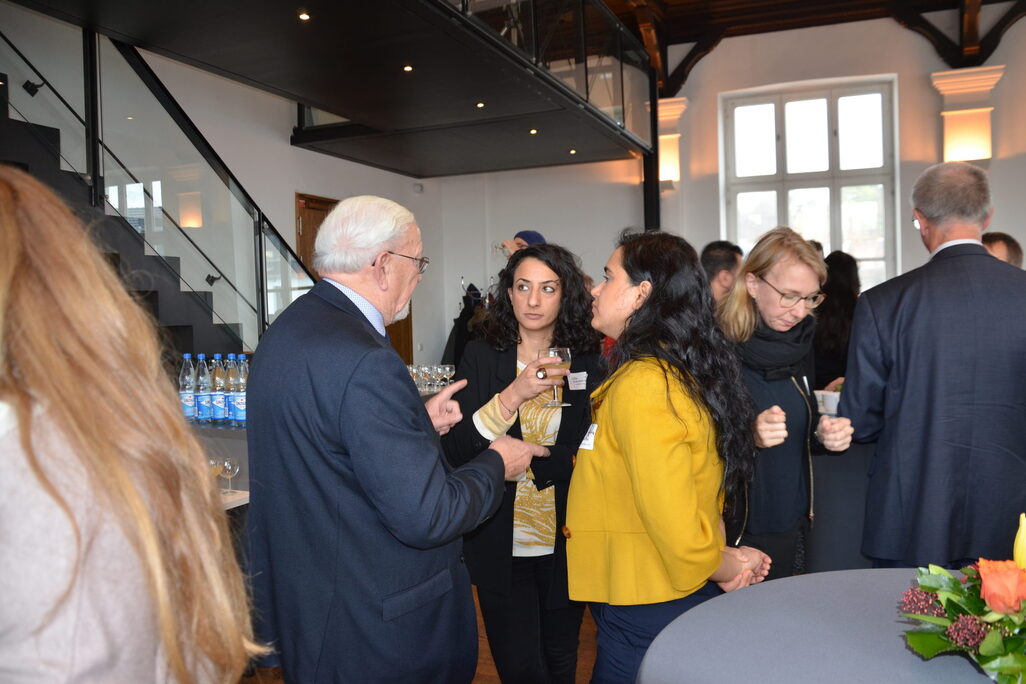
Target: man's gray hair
<point>953,191</point>
<point>357,230</point>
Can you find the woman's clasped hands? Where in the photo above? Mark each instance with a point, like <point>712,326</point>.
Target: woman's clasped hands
<point>752,567</point>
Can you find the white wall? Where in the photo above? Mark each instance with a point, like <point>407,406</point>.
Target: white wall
<point>846,50</point>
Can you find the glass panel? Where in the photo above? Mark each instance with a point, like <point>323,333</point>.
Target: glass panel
<point>755,140</point>
<point>178,251</point>
<point>605,73</point>
<point>809,213</point>
<point>179,204</point>
<point>54,50</point>
<point>635,89</point>
<point>318,117</point>
<point>805,122</point>
<point>558,42</point>
<point>871,273</point>
<point>510,19</point>
<point>862,221</point>
<point>860,131</point>
<point>284,276</point>
<point>756,213</point>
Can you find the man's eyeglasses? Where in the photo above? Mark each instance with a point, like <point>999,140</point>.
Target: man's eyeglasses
<point>789,299</point>
<point>422,262</point>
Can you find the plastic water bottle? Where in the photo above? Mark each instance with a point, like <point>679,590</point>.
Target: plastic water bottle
<point>240,392</point>
<point>218,407</point>
<point>187,388</point>
<point>231,373</point>
<point>203,411</point>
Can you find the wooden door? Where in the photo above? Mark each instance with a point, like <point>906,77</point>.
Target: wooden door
<point>310,212</point>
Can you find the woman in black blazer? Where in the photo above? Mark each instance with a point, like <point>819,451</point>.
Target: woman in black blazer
<point>517,558</point>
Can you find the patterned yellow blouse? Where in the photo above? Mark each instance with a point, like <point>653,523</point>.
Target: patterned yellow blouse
<point>534,511</point>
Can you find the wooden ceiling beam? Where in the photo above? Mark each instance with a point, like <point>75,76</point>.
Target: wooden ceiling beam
<point>969,16</point>
<point>648,14</point>
<point>675,81</point>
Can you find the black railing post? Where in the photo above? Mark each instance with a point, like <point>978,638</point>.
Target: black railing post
<point>650,185</point>
<point>261,274</point>
<point>90,66</point>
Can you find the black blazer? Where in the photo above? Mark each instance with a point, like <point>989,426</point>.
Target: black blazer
<point>489,549</point>
<point>355,520</point>
<point>937,377</point>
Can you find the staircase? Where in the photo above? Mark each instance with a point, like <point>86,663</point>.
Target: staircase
<point>184,316</point>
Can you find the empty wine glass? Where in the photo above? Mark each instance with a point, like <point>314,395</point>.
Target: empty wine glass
<point>216,465</point>
<point>448,370</point>
<point>425,374</point>
<point>231,469</point>
<point>563,354</point>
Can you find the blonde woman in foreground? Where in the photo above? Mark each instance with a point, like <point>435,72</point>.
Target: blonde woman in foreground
<point>115,560</point>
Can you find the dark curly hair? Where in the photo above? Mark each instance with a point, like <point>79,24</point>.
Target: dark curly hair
<point>834,316</point>
<point>676,325</point>
<point>573,323</point>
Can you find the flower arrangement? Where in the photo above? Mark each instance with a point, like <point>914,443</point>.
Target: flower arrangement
<point>981,614</point>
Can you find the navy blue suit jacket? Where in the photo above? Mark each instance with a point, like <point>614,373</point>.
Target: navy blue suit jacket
<point>937,377</point>
<point>355,519</point>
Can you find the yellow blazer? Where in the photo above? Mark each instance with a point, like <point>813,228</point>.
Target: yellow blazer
<point>645,502</point>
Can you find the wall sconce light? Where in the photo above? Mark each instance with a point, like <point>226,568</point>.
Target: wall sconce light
<point>669,161</point>
<point>31,88</point>
<point>190,210</point>
<point>966,113</point>
<point>670,111</point>
<point>967,134</point>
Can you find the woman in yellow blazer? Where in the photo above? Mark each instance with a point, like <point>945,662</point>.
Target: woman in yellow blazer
<point>670,443</point>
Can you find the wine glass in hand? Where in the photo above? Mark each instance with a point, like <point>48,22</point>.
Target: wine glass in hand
<point>231,469</point>
<point>563,354</point>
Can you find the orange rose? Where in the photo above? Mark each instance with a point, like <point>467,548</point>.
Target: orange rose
<point>1003,585</point>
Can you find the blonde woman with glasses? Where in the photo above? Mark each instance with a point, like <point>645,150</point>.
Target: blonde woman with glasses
<point>767,314</point>
<point>115,560</point>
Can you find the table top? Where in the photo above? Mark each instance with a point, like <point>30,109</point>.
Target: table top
<point>822,627</point>
<point>232,498</point>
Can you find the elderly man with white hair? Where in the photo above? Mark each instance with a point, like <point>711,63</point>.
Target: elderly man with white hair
<point>355,520</point>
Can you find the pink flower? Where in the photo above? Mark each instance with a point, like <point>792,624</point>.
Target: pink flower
<point>1003,585</point>
<point>967,632</point>
<point>919,602</point>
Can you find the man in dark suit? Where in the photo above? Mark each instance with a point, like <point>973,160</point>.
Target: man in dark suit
<point>937,377</point>
<point>355,520</point>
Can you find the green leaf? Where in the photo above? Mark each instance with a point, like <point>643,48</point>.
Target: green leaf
<point>928,644</point>
<point>941,583</point>
<point>938,570</point>
<point>942,621</point>
<point>992,644</point>
<point>1009,663</point>
<point>992,617</point>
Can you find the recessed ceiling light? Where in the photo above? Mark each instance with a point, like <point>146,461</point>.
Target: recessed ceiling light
<point>408,67</point>
<point>534,131</point>
<point>573,151</point>
<point>304,15</point>
<point>129,117</point>
<point>480,105</point>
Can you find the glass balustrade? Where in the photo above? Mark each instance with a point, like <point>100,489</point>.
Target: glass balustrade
<point>181,201</point>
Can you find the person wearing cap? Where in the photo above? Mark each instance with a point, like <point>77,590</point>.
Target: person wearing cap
<point>524,238</point>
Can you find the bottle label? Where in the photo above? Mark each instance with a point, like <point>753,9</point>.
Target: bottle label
<point>229,400</point>
<point>203,407</point>
<point>188,400</point>
<point>218,406</point>
<point>240,407</point>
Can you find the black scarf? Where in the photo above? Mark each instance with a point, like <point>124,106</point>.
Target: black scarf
<point>777,354</point>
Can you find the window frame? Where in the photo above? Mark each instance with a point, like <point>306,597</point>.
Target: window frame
<point>833,178</point>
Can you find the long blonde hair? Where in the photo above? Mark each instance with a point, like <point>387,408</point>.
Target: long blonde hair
<point>74,342</point>
<point>737,313</point>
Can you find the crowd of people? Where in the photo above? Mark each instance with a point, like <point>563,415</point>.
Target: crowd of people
<point>665,461</point>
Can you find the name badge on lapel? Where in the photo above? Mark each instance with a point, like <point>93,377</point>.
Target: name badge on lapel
<point>589,439</point>
<point>578,381</point>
